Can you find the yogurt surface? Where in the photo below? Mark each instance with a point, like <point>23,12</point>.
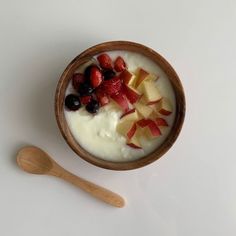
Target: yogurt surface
<point>97,133</point>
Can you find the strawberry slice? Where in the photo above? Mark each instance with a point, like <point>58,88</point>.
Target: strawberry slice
<point>119,64</point>
<point>161,122</point>
<point>112,86</point>
<point>121,100</point>
<point>77,79</point>
<point>96,77</point>
<point>102,97</point>
<point>105,61</point>
<point>85,99</point>
<point>132,95</point>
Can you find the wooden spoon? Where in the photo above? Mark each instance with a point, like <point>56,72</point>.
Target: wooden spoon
<point>36,161</point>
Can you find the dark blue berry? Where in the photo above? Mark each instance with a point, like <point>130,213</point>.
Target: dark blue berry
<point>92,107</point>
<point>72,102</point>
<point>85,89</point>
<point>109,74</point>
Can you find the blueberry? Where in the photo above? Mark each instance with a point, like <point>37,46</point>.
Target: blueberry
<point>85,89</point>
<point>92,107</point>
<point>109,74</point>
<point>72,102</point>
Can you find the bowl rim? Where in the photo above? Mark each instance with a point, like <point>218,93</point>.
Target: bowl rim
<point>161,62</point>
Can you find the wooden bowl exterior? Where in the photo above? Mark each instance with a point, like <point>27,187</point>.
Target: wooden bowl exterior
<point>129,46</point>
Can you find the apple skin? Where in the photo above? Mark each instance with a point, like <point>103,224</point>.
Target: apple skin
<point>150,126</point>
<point>142,75</point>
<point>161,122</point>
<point>134,146</point>
<point>132,131</point>
<point>165,107</point>
<point>131,94</point>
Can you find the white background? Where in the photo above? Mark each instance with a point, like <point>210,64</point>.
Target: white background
<point>191,191</point>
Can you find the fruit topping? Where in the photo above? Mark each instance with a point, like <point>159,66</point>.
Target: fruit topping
<point>77,79</point>
<point>132,94</point>
<point>105,61</point>
<point>109,74</point>
<point>102,97</point>
<point>121,100</point>
<point>72,102</point>
<point>92,106</point>
<point>96,77</point>
<point>119,64</point>
<point>112,86</point>
<point>85,89</point>
<point>85,99</point>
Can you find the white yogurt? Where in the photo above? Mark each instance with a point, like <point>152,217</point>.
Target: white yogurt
<point>97,133</point>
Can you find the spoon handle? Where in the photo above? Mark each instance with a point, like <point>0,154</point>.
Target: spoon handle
<point>97,191</point>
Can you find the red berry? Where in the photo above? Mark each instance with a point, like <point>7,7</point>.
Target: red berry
<point>112,86</point>
<point>77,79</point>
<point>119,64</point>
<point>96,77</point>
<point>102,97</point>
<point>85,99</point>
<point>105,61</point>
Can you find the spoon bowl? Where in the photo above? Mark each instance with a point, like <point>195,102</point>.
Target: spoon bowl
<point>34,160</point>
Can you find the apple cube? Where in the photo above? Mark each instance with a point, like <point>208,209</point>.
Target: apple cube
<point>131,115</point>
<point>127,77</point>
<point>134,141</point>
<point>144,110</point>
<point>151,92</point>
<point>126,129</point>
<point>121,100</point>
<point>142,75</point>
<point>149,127</point>
<point>165,107</point>
<point>132,94</point>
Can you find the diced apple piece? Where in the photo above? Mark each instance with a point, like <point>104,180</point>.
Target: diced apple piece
<point>154,131</point>
<point>134,141</point>
<point>144,110</point>
<point>161,122</point>
<point>121,100</point>
<point>142,75</point>
<point>151,92</point>
<point>149,128</point>
<point>126,128</point>
<point>165,107</point>
<point>132,94</point>
<point>127,77</point>
<point>131,115</point>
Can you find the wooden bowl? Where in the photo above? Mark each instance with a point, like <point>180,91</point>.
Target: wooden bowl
<point>129,46</point>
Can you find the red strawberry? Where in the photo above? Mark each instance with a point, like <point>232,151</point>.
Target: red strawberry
<point>85,99</point>
<point>119,64</point>
<point>77,79</point>
<point>96,77</point>
<point>105,61</point>
<point>121,100</point>
<point>102,97</point>
<point>161,122</point>
<point>112,86</point>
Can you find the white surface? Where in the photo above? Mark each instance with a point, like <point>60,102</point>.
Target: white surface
<point>98,135</point>
<point>191,191</point>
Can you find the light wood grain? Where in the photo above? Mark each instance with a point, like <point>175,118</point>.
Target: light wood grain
<point>129,46</point>
<point>36,161</point>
